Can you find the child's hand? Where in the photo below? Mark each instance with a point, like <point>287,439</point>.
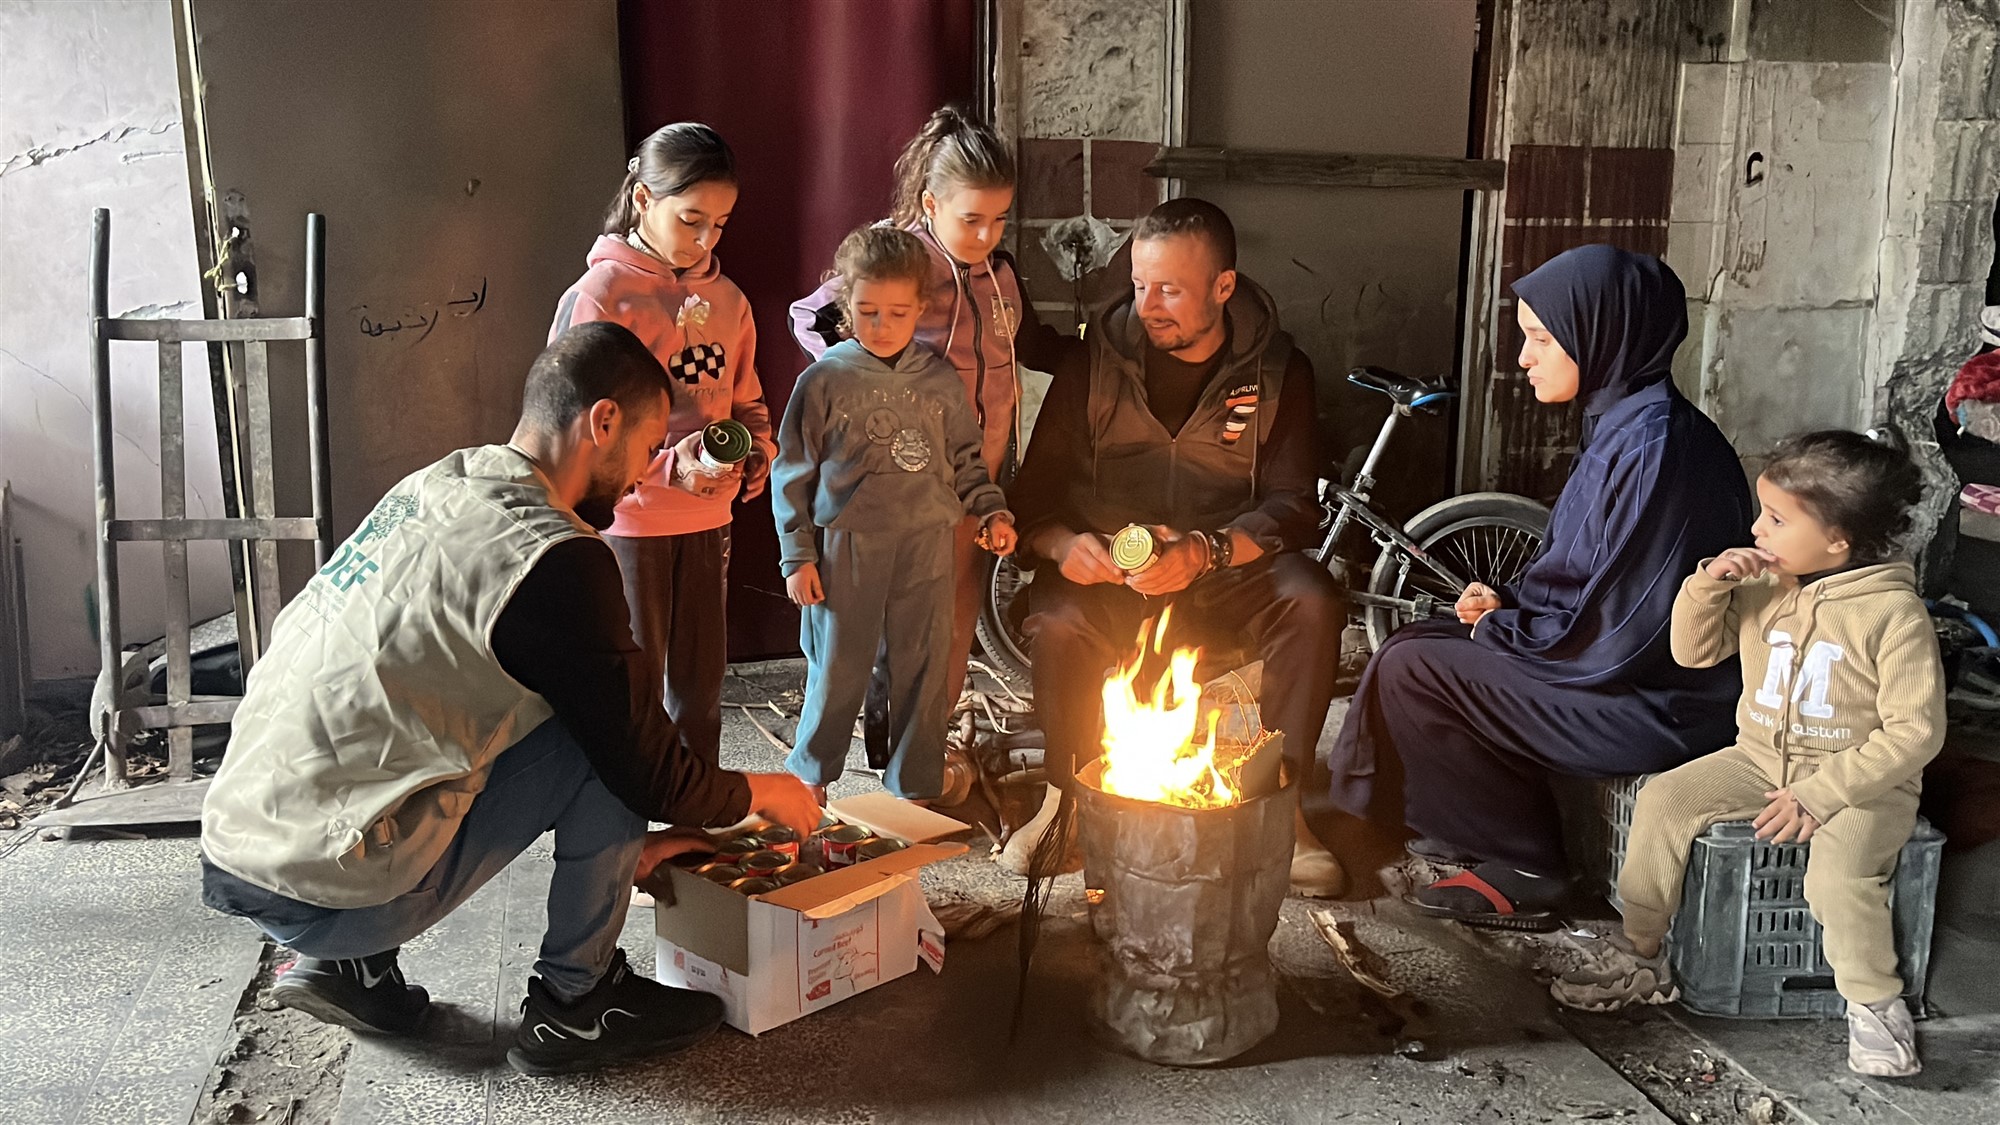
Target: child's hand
<point>756,471</point>
<point>803,586</point>
<point>1740,563</point>
<point>998,535</point>
<point>1784,820</point>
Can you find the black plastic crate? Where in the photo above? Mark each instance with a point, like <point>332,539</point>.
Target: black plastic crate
<point>1744,942</point>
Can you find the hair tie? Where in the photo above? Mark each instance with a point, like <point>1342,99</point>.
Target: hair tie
<point>632,165</point>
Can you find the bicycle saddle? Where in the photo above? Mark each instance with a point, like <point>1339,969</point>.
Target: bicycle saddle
<point>1405,391</point>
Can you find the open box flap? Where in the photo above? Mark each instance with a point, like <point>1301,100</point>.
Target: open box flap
<point>887,815</point>
<point>837,892</point>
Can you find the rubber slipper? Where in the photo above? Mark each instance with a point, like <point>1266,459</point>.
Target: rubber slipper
<point>1501,912</point>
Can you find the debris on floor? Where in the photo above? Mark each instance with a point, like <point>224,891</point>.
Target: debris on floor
<point>966,918</point>
<point>283,1068</point>
<point>1361,962</point>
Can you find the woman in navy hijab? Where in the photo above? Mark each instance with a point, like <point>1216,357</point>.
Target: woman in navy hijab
<point>1458,727</point>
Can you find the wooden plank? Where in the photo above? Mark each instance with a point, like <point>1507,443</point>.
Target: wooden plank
<point>223,331</point>
<point>1328,169</point>
<point>173,507</point>
<point>202,711</point>
<point>13,625</point>
<point>1606,74</point>
<point>104,467</point>
<point>160,531</point>
<point>161,802</point>
<point>263,494</point>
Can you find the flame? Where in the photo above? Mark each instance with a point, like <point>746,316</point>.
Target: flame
<point>1150,751</point>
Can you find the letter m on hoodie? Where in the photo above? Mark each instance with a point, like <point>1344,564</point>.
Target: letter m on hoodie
<point>1814,677</point>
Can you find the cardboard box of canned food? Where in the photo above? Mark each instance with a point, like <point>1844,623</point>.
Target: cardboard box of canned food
<point>776,955</point>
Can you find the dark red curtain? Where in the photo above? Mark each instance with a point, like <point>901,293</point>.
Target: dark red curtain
<point>816,97</point>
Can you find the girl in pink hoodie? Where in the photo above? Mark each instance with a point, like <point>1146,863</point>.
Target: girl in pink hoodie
<point>954,187</point>
<point>654,271</point>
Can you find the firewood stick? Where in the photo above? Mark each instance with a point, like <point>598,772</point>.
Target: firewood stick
<point>773,739</point>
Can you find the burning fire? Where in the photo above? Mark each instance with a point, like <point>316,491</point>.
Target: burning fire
<point>1150,752</point>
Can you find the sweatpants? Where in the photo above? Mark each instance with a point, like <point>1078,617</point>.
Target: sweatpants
<point>1284,609</point>
<point>677,587</point>
<point>968,587</point>
<point>888,595</point>
<point>1849,862</point>
<point>1459,741</point>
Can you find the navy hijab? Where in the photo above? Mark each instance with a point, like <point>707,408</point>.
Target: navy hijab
<point>1656,488</point>
<point>1619,315</point>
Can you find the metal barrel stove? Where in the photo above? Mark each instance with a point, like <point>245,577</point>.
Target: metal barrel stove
<point>1189,900</point>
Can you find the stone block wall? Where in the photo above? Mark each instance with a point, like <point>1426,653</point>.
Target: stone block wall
<point>1082,86</point>
<point>1937,240</point>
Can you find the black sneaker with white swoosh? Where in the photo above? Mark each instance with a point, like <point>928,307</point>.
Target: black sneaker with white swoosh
<point>367,994</point>
<point>626,1018</point>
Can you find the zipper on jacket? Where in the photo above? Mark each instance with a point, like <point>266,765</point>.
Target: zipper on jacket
<point>978,349</point>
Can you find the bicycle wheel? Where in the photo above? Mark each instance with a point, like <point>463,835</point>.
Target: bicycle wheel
<point>1006,650</point>
<point>1485,537</point>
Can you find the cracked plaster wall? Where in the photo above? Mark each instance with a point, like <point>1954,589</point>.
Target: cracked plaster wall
<point>90,117</point>
<point>1837,280</point>
<point>1780,174</point>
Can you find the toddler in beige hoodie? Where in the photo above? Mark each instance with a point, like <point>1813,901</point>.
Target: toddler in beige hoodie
<point>1842,706</point>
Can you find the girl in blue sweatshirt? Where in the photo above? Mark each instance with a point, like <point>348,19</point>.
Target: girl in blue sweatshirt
<point>878,460</point>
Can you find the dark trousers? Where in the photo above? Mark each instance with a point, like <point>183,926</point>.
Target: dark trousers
<point>677,587</point>
<point>1458,742</point>
<point>1285,610</point>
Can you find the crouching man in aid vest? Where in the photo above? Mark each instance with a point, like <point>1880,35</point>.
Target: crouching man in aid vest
<point>457,680</point>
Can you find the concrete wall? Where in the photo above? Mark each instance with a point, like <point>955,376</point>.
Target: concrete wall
<point>1361,275</point>
<point>463,155</point>
<point>1937,244</point>
<point>1780,175</point>
<point>90,117</point>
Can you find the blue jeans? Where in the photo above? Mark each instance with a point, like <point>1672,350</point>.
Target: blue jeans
<point>540,783</point>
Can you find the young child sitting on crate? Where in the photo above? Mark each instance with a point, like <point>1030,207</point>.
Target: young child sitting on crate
<point>1843,704</point>
<point>878,462</point>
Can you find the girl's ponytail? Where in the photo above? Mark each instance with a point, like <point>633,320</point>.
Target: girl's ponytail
<point>953,150</point>
<point>675,158</point>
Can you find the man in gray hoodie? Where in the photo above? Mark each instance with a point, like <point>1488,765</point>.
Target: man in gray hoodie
<point>1187,409</point>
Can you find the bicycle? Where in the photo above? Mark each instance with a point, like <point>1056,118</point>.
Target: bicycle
<point>1420,570</point>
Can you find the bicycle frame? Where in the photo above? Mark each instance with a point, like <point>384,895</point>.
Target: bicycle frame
<point>1352,503</point>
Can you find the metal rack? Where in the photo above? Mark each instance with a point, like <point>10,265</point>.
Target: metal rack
<point>178,796</point>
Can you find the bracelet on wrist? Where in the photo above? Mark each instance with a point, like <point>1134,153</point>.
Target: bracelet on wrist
<point>1221,549</point>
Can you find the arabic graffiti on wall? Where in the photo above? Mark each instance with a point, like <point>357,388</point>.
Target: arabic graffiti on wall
<point>420,317</point>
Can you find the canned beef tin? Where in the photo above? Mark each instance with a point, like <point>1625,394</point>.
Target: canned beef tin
<point>779,838</point>
<point>765,863</point>
<point>739,846</point>
<point>841,841</point>
<point>754,885</point>
<point>1134,549</point>
<point>877,848</point>
<point>798,873</point>
<point>718,872</point>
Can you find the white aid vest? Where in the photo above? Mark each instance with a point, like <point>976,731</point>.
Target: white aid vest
<point>372,722</point>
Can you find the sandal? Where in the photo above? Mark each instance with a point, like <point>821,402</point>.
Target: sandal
<point>1469,898</point>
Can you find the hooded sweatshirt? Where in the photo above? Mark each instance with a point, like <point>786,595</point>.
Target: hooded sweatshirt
<point>1656,487</point>
<point>865,446</point>
<point>1843,689</point>
<point>698,325</point>
<point>1247,458</point>
<point>973,317</point>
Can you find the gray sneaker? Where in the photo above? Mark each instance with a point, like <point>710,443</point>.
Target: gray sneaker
<point>1609,974</point>
<point>1882,1039</point>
